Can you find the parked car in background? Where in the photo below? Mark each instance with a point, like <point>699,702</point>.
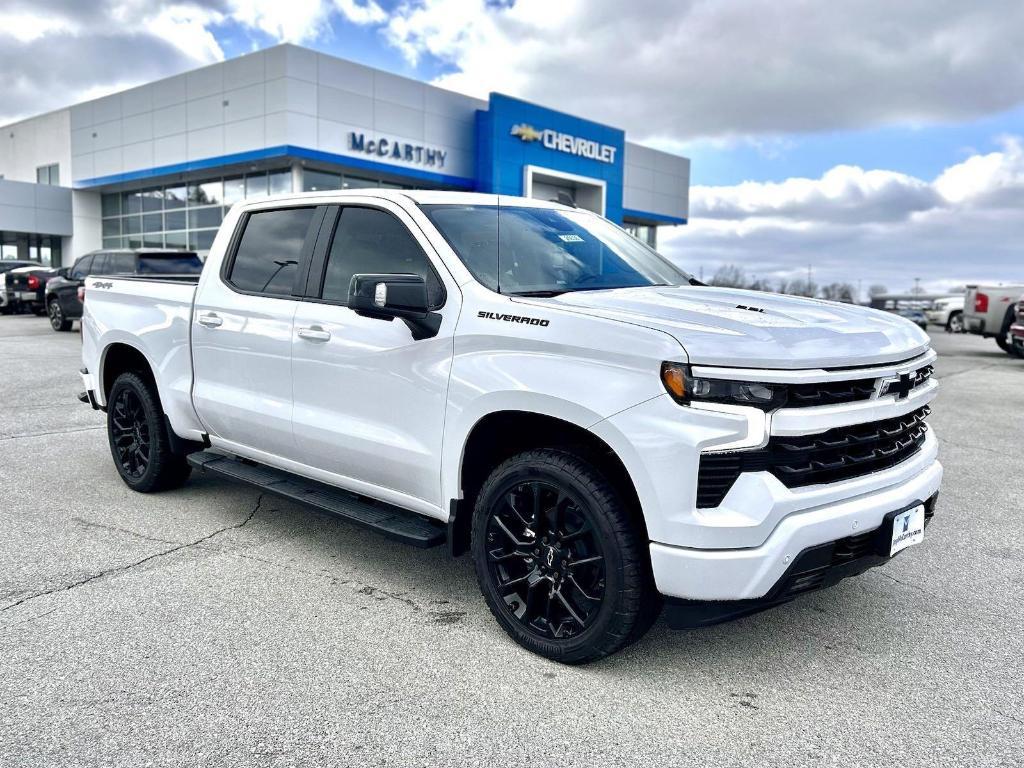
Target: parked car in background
<point>62,302</point>
<point>948,313</point>
<point>26,288</point>
<point>6,266</point>
<point>916,316</point>
<point>989,311</point>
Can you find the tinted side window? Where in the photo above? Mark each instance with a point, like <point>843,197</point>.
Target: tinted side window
<point>184,264</point>
<point>367,240</point>
<point>268,253</point>
<point>120,264</point>
<point>99,264</point>
<point>81,268</point>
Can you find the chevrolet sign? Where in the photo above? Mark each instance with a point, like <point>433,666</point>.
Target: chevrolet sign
<point>566,142</point>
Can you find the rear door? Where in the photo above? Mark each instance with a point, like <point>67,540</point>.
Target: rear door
<point>242,331</point>
<point>369,398</point>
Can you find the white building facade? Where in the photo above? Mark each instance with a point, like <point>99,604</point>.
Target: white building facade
<point>158,165</point>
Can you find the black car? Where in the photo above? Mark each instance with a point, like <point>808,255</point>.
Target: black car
<point>7,305</point>
<point>25,288</point>
<point>62,302</point>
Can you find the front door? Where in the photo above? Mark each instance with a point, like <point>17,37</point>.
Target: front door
<point>370,399</point>
<point>242,329</point>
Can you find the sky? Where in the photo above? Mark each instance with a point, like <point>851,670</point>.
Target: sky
<point>874,141</point>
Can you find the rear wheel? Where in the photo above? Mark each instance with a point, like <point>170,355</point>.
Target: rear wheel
<point>57,320</point>
<point>559,560</point>
<point>955,323</point>
<point>138,437</point>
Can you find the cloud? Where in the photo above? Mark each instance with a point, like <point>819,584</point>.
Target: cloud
<point>687,69</point>
<point>59,52</point>
<point>870,226</point>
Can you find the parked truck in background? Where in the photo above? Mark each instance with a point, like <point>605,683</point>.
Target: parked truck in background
<point>525,381</point>
<point>947,313</point>
<point>989,312</point>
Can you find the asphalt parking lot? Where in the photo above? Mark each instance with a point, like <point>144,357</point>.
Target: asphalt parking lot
<point>210,626</point>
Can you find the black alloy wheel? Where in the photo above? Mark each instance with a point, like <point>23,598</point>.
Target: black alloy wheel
<point>138,436</point>
<point>562,557</point>
<point>56,314</point>
<point>130,434</point>
<point>545,559</point>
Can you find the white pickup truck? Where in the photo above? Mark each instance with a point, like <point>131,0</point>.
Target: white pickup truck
<point>527,382</point>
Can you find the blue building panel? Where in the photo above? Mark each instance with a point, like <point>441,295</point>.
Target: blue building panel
<point>512,134</point>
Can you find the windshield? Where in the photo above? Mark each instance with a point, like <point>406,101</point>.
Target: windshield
<point>545,251</point>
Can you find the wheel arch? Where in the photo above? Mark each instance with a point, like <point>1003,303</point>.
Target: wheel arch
<point>120,357</point>
<point>500,434</point>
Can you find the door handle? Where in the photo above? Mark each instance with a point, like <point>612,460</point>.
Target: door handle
<point>314,333</point>
<point>210,320</point>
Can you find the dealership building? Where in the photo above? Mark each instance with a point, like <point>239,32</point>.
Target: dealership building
<point>157,166</point>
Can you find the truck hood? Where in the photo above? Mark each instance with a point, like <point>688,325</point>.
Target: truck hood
<point>729,327</point>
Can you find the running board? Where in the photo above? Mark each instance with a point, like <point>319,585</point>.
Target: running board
<point>387,519</point>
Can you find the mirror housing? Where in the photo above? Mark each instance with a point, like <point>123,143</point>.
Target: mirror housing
<point>386,297</point>
<point>64,272</point>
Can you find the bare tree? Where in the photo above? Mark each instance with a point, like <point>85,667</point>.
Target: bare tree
<point>729,276</point>
<point>877,290</point>
<point>798,287</point>
<point>838,292</point>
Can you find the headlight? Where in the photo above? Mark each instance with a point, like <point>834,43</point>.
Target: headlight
<point>686,388</point>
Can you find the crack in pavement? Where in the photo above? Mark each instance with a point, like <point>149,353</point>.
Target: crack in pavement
<point>946,441</point>
<point>118,529</point>
<point>45,434</point>
<point>130,566</point>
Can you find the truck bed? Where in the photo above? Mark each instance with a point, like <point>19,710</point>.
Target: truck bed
<point>152,313</point>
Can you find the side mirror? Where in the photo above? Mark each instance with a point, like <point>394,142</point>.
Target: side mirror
<point>64,272</point>
<point>386,297</point>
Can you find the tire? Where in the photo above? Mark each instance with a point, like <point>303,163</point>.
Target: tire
<point>138,438</point>
<point>572,583</point>
<point>57,320</point>
<point>955,324</point>
<point>1005,344</point>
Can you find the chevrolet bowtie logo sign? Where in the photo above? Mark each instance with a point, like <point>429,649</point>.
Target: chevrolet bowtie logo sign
<point>565,142</point>
<point>526,132</point>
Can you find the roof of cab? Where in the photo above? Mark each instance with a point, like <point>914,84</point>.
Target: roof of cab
<point>418,196</point>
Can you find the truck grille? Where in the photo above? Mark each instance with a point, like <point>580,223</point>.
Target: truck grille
<point>829,393</point>
<point>828,457</point>
<point>833,392</point>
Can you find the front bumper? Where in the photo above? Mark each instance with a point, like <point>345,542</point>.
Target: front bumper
<point>814,568</point>
<point>751,573</point>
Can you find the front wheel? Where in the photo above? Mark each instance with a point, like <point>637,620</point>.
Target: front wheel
<point>560,562</point>
<point>138,437</point>
<point>57,320</point>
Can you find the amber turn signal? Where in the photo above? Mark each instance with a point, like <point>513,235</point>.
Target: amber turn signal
<point>673,376</point>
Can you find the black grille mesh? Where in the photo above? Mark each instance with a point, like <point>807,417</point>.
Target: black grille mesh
<point>829,393</point>
<point>828,457</point>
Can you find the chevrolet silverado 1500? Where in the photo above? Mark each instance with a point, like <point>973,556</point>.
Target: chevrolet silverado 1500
<point>607,437</point>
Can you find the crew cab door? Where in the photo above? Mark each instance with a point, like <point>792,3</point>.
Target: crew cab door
<point>242,329</point>
<point>369,397</point>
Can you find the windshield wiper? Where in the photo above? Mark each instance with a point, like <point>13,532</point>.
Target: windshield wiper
<point>538,294</point>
